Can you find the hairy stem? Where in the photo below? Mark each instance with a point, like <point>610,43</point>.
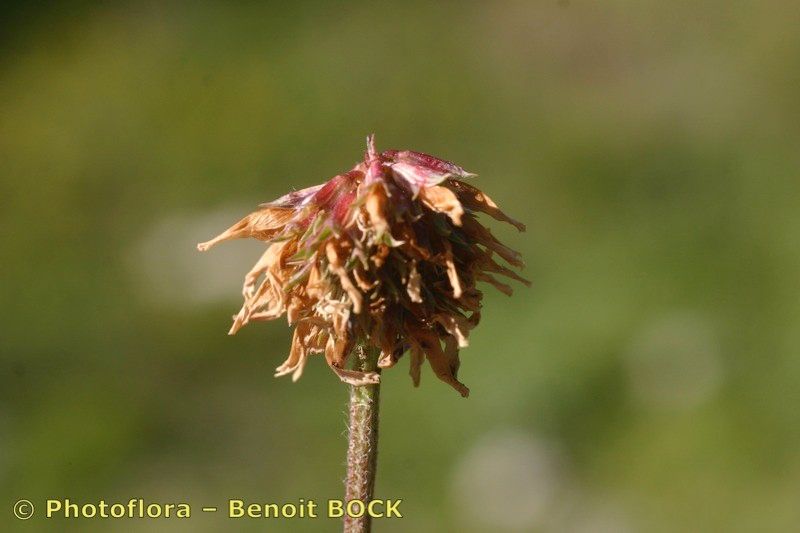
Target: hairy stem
<point>362,448</point>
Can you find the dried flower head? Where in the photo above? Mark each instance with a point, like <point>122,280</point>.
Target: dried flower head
<point>386,255</point>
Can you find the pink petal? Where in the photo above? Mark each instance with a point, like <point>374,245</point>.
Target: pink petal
<point>295,198</point>
<point>422,170</point>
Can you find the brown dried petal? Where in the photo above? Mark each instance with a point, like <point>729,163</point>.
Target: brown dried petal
<point>457,326</point>
<point>490,265</point>
<point>375,206</point>
<point>336,267</point>
<point>414,282</point>
<point>502,287</point>
<point>296,352</point>
<point>336,351</point>
<point>261,224</point>
<point>483,236</point>
<point>477,200</point>
<point>417,358</point>
<point>452,273</point>
<point>442,200</point>
<point>443,366</point>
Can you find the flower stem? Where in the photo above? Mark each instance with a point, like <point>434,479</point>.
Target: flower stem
<point>362,448</point>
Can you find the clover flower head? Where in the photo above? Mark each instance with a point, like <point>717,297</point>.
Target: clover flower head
<point>386,255</point>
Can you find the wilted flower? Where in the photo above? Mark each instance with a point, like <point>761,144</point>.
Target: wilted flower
<point>386,255</point>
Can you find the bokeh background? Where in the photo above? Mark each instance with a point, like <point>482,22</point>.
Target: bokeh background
<point>648,381</point>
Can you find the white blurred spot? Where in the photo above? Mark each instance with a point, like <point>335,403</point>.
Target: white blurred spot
<point>590,513</point>
<point>171,272</point>
<point>507,481</point>
<point>674,363</point>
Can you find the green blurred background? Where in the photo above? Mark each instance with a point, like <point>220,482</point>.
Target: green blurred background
<point>650,379</point>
